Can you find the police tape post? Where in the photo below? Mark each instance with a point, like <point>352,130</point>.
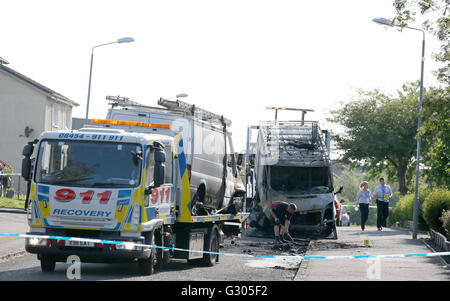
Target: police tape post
<point>289,257</point>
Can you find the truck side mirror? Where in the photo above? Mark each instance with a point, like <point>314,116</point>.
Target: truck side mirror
<point>28,150</point>
<point>340,190</point>
<point>160,159</point>
<point>26,162</point>
<point>26,168</point>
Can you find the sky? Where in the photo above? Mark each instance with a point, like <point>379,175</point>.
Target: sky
<point>231,57</point>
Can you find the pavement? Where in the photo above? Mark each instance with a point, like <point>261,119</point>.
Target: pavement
<point>12,221</point>
<point>389,241</point>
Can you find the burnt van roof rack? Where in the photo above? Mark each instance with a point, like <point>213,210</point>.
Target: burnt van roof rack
<point>304,111</point>
<point>186,108</point>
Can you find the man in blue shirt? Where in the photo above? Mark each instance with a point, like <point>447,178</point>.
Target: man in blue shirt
<point>382,194</point>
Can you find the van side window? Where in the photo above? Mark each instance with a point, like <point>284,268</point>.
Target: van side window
<point>169,164</point>
<point>149,167</point>
<point>231,157</point>
<point>220,146</point>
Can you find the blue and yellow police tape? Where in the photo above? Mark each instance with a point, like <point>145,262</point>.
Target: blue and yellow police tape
<point>292,257</point>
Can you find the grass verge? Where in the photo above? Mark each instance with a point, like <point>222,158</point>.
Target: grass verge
<point>12,203</point>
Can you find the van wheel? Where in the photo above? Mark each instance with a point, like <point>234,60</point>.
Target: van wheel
<point>147,265</point>
<point>47,263</point>
<point>335,235</point>
<point>211,245</point>
<point>197,202</point>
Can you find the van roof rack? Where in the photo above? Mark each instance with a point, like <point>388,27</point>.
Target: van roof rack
<point>304,111</point>
<point>177,106</point>
<point>186,108</point>
<point>119,101</point>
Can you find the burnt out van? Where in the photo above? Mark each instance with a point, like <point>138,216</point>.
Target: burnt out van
<point>292,164</point>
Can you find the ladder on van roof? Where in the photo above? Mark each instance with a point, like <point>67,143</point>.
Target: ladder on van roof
<point>186,108</point>
<point>177,106</point>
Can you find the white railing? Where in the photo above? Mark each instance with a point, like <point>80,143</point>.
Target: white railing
<point>440,240</point>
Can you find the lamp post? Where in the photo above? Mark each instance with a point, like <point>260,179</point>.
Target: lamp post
<point>387,22</point>
<point>119,41</point>
<point>181,95</point>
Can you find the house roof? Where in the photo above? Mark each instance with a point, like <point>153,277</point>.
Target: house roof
<point>43,89</point>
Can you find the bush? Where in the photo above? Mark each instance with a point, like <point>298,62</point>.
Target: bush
<point>445,219</point>
<point>433,206</point>
<point>403,210</point>
<point>9,193</point>
<point>355,216</point>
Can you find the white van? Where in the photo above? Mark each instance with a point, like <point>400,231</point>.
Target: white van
<point>211,163</point>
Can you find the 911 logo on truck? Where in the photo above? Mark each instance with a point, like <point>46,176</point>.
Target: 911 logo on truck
<point>67,195</point>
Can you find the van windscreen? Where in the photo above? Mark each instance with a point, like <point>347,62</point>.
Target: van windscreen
<point>304,179</point>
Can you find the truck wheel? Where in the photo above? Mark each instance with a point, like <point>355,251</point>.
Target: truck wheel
<point>47,263</point>
<point>211,245</point>
<point>147,265</point>
<point>159,252</point>
<point>166,258</point>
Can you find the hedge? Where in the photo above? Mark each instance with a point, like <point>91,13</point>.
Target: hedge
<point>433,206</point>
<point>403,210</point>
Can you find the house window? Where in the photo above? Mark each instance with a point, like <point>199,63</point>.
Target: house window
<point>55,112</point>
<point>68,119</point>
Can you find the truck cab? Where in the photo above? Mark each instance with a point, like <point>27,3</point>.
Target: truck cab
<point>118,182</point>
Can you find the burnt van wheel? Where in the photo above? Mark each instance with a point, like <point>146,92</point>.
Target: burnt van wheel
<point>197,203</point>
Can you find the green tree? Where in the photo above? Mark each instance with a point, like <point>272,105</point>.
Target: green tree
<point>435,133</point>
<point>435,17</point>
<point>380,132</point>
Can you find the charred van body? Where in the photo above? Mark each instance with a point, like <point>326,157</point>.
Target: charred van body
<point>291,164</point>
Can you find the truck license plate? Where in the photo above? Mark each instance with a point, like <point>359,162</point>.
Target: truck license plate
<point>76,243</point>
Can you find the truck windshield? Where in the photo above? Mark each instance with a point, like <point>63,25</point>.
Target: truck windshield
<point>89,164</point>
<point>300,179</point>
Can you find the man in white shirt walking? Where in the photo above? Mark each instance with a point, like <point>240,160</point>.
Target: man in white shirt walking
<point>382,194</point>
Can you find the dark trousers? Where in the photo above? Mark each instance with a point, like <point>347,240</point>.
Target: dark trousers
<point>382,213</point>
<point>364,209</point>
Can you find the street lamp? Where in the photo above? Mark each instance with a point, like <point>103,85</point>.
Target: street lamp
<point>181,95</point>
<point>388,22</point>
<point>119,41</point>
